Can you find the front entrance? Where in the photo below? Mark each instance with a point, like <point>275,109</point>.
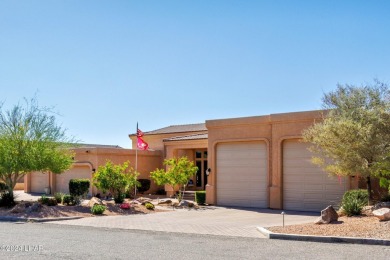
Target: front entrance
<point>201,163</point>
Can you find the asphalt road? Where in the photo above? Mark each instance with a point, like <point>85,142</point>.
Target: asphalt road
<point>48,241</point>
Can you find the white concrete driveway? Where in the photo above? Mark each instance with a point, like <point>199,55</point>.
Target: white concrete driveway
<point>208,220</point>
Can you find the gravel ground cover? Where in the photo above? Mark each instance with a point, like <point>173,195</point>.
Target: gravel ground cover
<point>364,226</point>
<point>20,210</point>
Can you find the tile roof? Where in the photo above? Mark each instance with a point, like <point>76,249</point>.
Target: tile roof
<point>187,137</point>
<point>178,129</point>
<point>81,145</point>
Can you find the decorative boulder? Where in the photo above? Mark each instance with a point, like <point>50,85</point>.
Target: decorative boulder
<point>94,201</point>
<point>328,215</point>
<point>381,205</point>
<point>188,203</point>
<point>143,200</point>
<point>34,207</point>
<point>382,214</point>
<point>165,201</point>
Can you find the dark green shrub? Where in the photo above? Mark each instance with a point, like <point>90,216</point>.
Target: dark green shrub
<point>145,185</point>
<point>98,209</point>
<point>7,200</point>
<point>354,201</point>
<point>47,201</point>
<point>58,196</point>
<point>149,206</point>
<point>79,187</point>
<point>200,197</point>
<point>68,200</point>
<point>3,186</point>
<point>161,192</point>
<point>385,198</point>
<point>119,198</point>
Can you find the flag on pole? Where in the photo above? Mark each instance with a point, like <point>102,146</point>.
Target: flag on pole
<point>141,144</point>
<point>139,133</point>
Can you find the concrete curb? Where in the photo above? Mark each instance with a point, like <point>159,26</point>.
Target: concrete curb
<point>323,239</point>
<point>21,219</point>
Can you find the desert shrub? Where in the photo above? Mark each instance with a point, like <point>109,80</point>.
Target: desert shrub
<point>161,192</point>
<point>79,187</point>
<point>98,209</point>
<point>47,201</point>
<point>354,201</point>
<point>119,198</point>
<point>385,198</point>
<point>145,185</point>
<point>58,196</point>
<point>149,206</point>
<point>7,199</point>
<point>3,186</point>
<point>68,200</point>
<point>200,197</point>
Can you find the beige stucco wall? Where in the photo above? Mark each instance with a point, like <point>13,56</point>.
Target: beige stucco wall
<point>273,129</point>
<point>155,141</point>
<point>95,157</point>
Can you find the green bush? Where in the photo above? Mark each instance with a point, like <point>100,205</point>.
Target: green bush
<point>119,198</point>
<point>3,186</point>
<point>200,197</point>
<point>98,209</point>
<point>354,201</point>
<point>145,185</point>
<point>58,196</point>
<point>7,200</point>
<point>68,200</point>
<point>385,198</point>
<point>79,187</point>
<point>47,201</point>
<point>149,206</point>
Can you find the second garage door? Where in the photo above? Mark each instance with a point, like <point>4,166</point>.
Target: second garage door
<point>242,174</point>
<point>306,187</point>
<point>78,172</point>
<point>39,181</point>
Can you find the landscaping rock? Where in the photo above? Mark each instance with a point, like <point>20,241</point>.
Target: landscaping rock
<point>165,201</point>
<point>143,200</point>
<point>94,201</point>
<point>19,208</point>
<point>381,205</point>
<point>84,203</point>
<point>328,215</point>
<point>382,214</point>
<point>188,203</point>
<point>34,207</point>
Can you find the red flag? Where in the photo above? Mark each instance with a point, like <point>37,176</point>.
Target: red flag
<point>141,144</point>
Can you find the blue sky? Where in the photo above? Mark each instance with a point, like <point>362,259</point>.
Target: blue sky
<point>105,65</point>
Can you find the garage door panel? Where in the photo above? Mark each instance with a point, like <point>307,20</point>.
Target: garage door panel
<point>242,174</point>
<point>307,187</point>
<point>39,181</point>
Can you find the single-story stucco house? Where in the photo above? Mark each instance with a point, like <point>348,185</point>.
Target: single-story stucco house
<point>255,161</point>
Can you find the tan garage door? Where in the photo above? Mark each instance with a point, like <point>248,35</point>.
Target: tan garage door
<point>242,174</point>
<point>39,181</point>
<point>306,187</point>
<point>78,172</point>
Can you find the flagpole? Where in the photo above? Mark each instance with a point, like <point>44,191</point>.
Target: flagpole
<point>136,161</point>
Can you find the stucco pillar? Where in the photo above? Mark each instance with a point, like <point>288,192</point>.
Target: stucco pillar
<point>27,182</point>
<point>52,183</point>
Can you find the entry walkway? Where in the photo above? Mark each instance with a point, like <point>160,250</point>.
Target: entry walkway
<point>209,220</point>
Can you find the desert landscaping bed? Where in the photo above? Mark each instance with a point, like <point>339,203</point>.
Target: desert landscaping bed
<point>357,226</point>
<point>44,211</point>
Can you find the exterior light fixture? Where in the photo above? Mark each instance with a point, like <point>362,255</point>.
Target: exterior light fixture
<point>208,171</point>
